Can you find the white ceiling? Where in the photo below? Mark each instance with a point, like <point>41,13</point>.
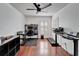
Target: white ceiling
<point>49,11</point>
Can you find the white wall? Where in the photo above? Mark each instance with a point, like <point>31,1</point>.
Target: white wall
<point>68,17</point>
<point>11,20</point>
<point>69,20</point>
<point>37,20</point>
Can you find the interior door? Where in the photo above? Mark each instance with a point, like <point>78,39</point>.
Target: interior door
<point>45,28</point>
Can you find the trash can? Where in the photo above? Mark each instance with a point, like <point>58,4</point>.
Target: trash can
<point>42,36</point>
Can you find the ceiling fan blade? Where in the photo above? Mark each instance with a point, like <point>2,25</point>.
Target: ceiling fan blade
<point>47,6</point>
<point>31,9</point>
<point>37,6</point>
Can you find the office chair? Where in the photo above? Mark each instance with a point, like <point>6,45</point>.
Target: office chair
<point>30,33</point>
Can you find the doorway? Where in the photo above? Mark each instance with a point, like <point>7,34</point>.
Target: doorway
<point>45,28</point>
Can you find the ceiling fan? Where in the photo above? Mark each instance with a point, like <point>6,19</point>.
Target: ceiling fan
<point>38,8</point>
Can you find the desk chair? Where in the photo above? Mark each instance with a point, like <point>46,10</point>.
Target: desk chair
<point>30,33</point>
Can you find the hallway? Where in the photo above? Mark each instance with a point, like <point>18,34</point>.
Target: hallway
<point>43,48</point>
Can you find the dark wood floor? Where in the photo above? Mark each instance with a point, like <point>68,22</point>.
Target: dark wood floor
<point>43,48</point>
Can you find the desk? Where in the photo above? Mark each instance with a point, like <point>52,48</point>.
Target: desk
<point>75,41</point>
<point>69,37</point>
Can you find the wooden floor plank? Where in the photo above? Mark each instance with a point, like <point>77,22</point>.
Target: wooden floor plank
<point>43,48</point>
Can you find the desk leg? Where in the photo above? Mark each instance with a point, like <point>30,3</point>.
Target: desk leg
<point>24,38</point>
<point>56,43</point>
<point>75,47</point>
<point>55,38</point>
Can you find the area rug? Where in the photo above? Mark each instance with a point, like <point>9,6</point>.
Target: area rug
<point>31,42</point>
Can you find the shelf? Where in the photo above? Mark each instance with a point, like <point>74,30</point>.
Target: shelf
<point>3,49</point>
<point>10,48</point>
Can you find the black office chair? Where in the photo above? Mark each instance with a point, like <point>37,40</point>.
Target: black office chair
<point>30,33</point>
